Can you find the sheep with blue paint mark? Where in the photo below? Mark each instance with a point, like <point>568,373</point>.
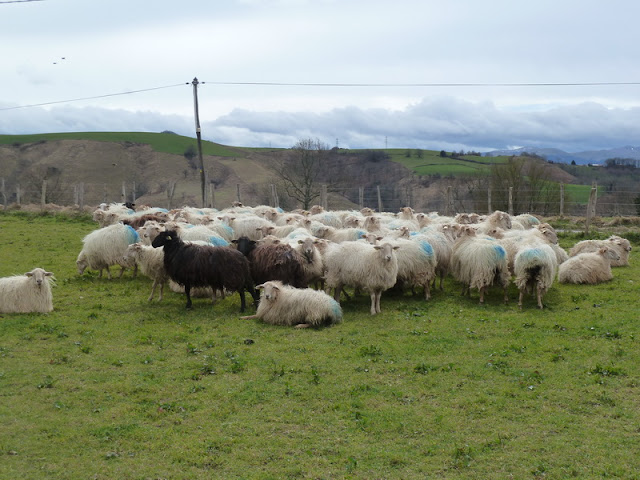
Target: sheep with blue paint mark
<point>105,247</point>
<point>479,263</point>
<point>300,307</point>
<point>416,263</point>
<point>535,269</point>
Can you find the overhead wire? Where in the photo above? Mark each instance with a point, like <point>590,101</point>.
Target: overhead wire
<point>319,84</point>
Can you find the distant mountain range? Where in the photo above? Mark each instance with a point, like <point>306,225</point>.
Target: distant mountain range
<point>581,158</point>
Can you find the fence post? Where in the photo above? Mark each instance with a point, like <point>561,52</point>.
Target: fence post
<point>238,192</point>
<point>18,194</point>
<point>43,195</point>
<point>133,193</point>
<point>379,199</point>
<point>561,200</point>
<point>212,197</point>
<point>75,194</point>
<point>595,199</point>
<point>104,193</point>
<point>361,197</point>
<point>81,195</point>
<point>510,208</point>
<point>171,189</point>
<point>4,195</point>
<point>590,209</point>
<point>490,210</point>
<point>449,207</point>
<point>323,197</point>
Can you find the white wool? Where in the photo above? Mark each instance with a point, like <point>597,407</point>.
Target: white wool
<point>151,263</point>
<point>621,245</point>
<point>535,269</point>
<point>105,247</point>
<point>27,293</point>
<point>416,263</point>
<point>479,263</point>
<point>285,305</point>
<point>590,267</point>
<point>373,268</point>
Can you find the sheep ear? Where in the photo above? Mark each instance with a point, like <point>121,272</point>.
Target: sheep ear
<point>29,274</point>
<point>396,247</point>
<point>377,247</point>
<point>48,274</point>
<point>260,287</point>
<point>169,237</point>
<point>234,242</point>
<point>300,242</point>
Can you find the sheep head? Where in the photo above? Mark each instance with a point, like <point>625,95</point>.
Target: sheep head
<point>39,276</point>
<point>386,251</point>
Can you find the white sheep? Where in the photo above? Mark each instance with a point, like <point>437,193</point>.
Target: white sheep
<point>246,225</point>
<point>442,247</point>
<point>27,293</point>
<point>479,263</point>
<point>496,219</point>
<point>339,235</point>
<point>300,307</point>
<point>105,247</point>
<point>373,268</point>
<point>416,263</point>
<point>151,263</point>
<point>621,245</point>
<point>589,267</point>
<point>535,269</point>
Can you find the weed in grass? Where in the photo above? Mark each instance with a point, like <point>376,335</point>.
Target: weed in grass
<point>424,369</point>
<point>47,382</point>
<point>606,371</point>
<point>370,351</point>
<point>462,457</point>
<point>237,364</point>
<point>315,375</point>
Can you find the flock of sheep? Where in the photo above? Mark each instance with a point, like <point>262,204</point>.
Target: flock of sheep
<point>206,252</point>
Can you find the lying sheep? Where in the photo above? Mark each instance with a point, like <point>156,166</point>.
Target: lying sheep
<point>621,245</point>
<point>535,269</point>
<point>373,268</point>
<point>589,267</point>
<point>27,293</point>
<point>105,247</point>
<point>300,307</point>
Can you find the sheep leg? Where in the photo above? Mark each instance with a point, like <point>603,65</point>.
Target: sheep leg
<point>255,295</point>
<point>248,317</point>
<point>243,302</point>
<point>441,279</point>
<point>161,291</point>
<point>336,292</point>
<point>153,290</point>
<point>187,291</point>
<point>506,295</point>
<point>540,298</point>
<point>108,273</point>
<point>378,296</point>
<point>481,291</point>
<point>302,325</point>
<point>373,303</point>
<point>427,290</point>
<point>122,269</point>
<point>520,299</point>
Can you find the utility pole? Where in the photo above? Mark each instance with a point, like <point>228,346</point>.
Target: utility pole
<point>199,137</point>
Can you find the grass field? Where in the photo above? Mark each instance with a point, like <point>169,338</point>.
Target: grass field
<point>111,386</point>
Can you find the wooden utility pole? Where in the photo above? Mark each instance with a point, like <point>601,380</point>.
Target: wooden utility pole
<point>199,137</point>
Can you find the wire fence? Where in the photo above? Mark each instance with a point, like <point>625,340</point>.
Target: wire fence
<point>447,200</point>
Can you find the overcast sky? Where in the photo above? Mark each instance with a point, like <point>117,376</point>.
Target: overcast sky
<point>55,51</point>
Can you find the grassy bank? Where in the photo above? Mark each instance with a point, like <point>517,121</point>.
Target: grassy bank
<point>111,386</point>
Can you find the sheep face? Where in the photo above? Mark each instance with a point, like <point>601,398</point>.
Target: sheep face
<point>38,275</point>
<point>609,254</point>
<point>269,291</point>
<point>386,251</point>
<point>164,238</point>
<point>308,248</point>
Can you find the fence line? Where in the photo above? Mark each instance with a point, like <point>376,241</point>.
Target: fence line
<point>448,200</point>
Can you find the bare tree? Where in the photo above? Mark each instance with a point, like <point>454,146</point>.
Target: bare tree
<point>301,170</point>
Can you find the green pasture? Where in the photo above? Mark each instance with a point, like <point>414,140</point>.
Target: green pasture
<point>111,386</point>
<point>160,142</point>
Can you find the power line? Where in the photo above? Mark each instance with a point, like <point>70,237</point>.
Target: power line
<point>543,84</point>
<point>316,84</point>
<point>91,98</point>
<point>20,1</point>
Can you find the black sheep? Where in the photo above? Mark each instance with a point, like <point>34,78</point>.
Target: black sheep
<point>193,265</point>
<point>273,261</point>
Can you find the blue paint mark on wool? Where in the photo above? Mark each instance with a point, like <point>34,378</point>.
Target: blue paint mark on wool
<point>531,253</point>
<point>164,210</point>
<point>336,310</point>
<point>426,247</point>
<point>361,233</point>
<point>218,241</point>
<point>500,251</point>
<point>279,210</point>
<point>227,229</point>
<point>132,235</point>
